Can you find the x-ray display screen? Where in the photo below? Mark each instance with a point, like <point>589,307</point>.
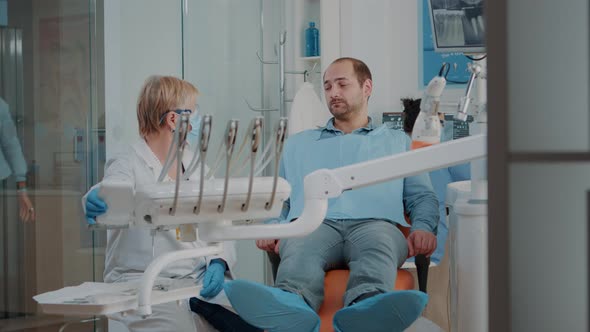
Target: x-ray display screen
<point>458,25</point>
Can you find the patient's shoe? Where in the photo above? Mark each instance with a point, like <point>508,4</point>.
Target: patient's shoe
<point>388,312</point>
<point>270,308</point>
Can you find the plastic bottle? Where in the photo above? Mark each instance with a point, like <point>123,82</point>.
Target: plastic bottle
<point>312,40</point>
<point>427,128</point>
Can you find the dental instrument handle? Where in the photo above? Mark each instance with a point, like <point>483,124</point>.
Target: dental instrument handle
<point>183,131</point>
<point>204,146</point>
<point>230,142</point>
<point>255,144</point>
<point>282,40</point>
<point>251,130</point>
<point>466,100</point>
<point>197,157</point>
<point>265,158</point>
<point>280,141</point>
<point>242,146</point>
<point>171,154</point>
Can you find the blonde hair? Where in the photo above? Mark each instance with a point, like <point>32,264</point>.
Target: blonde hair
<point>159,95</point>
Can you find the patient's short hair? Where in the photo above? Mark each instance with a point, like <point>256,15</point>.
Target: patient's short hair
<point>360,68</point>
<point>159,95</point>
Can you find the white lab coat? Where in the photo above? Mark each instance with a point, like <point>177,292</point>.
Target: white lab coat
<point>129,251</point>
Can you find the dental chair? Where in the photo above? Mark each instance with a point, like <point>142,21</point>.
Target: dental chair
<point>335,282</point>
<point>308,112</point>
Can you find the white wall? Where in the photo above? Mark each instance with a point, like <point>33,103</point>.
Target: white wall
<point>386,35</point>
<point>142,38</point>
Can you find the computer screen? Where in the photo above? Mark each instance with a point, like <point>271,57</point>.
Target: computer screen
<point>458,25</point>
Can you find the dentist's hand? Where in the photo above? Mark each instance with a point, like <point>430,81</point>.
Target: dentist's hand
<point>95,206</point>
<point>214,278</point>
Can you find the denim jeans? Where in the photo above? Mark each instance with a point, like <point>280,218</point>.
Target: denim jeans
<point>372,250</point>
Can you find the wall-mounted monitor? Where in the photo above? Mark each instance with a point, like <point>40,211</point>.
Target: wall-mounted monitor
<point>458,25</point>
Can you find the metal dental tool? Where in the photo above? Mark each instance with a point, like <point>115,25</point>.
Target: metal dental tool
<point>182,132</point>
<point>279,142</point>
<point>238,155</point>
<point>192,167</point>
<point>171,153</point>
<point>465,101</point>
<point>256,132</point>
<point>230,142</point>
<point>203,146</point>
<point>258,121</point>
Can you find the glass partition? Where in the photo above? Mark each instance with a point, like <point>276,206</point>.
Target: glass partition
<point>51,151</point>
<point>221,40</point>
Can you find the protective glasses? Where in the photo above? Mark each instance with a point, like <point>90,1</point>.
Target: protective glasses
<point>180,112</point>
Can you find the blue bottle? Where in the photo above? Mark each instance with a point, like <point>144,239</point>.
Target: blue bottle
<point>312,40</point>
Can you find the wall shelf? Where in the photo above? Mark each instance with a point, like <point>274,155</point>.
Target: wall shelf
<point>310,58</point>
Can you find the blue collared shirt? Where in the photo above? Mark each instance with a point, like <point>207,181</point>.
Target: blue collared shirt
<point>329,147</point>
<point>12,160</point>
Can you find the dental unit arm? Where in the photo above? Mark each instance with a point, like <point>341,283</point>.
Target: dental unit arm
<point>165,205</point>
<point>477,86</point>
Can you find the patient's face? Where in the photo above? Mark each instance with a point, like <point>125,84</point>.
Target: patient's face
<point>344,94</point>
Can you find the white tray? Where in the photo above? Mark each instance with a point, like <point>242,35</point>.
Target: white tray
<point>97,298</point>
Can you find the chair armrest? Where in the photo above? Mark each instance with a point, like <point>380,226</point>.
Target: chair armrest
<point>422,263</point>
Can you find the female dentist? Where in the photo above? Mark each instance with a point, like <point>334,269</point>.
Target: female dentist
<point>129,251</point>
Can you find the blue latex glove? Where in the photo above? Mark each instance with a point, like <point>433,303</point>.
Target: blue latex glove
<point>214,277</point>
<point>95,206</point>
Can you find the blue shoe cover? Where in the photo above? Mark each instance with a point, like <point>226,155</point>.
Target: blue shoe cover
<point>388,312</point>
<point>270,308</point>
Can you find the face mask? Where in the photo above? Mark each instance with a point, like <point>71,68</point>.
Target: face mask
<point>193,136</point>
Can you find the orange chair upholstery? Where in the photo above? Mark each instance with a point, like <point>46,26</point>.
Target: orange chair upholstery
<point>335,286</point>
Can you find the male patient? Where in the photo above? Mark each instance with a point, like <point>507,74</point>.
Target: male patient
<point>360,230</point>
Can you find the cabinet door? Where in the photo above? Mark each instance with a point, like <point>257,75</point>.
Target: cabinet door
<point>547,76</point>
<point>548,230</point>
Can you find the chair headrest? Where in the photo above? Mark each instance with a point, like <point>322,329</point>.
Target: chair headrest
<point>307,110</point>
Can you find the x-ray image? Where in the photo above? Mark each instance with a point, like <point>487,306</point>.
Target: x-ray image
<point>458,23</point>
<point>455,4</point>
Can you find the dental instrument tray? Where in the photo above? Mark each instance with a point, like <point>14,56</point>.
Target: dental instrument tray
<point>152,206</point>
<point>97,298</point>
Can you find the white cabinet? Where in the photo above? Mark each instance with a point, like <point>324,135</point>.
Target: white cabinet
<point>548,246</point>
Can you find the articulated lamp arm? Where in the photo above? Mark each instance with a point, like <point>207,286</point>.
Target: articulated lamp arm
<point>323,184</point>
